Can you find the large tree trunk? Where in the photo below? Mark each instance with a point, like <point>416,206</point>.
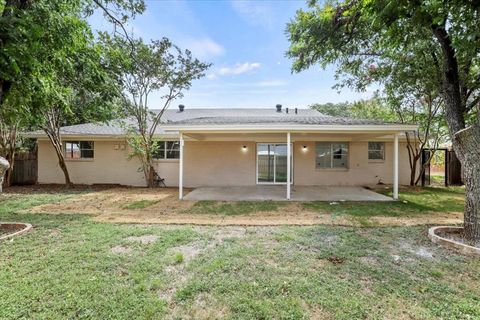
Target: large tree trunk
<point>61,162</point>
<point>7,181</point>
<point>4,165</point>
<point>465,141</point>
<point>57,145</point>
<point>10,145</point>
<point>466,144</point>
<point>151,177</point>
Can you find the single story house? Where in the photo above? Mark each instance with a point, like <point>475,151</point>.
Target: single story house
<point>238,147</point>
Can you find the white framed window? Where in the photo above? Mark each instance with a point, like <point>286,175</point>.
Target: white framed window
<point>167,150</point>
<point>78,149</point>
<point>376,150</point>
<point>331,155</point>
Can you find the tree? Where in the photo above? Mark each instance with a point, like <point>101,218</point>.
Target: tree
<point>424,107</point>
<point>158,66</point>
<point>375,108</point>
<point>341,109</point>
<point>10,122</point>
<point>438,39</point>
<point>29,28</point>
<point>79,89</point>
<point>23,28</point>
<point>404,108</point>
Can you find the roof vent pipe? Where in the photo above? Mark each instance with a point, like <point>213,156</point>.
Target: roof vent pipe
<point>279,107</point>
<point>181,107</point>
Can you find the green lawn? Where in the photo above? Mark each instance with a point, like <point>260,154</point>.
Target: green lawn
<point>412,202</point>
<point>70,267</point>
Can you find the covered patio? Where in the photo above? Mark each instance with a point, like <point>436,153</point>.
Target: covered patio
<point>304,156</point>
<point>277,193</point>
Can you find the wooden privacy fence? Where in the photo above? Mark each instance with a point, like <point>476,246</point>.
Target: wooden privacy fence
<point>452,168</point>
<point>25,170</point>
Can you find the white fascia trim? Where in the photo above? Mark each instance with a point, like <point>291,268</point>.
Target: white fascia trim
<point>292,128</point>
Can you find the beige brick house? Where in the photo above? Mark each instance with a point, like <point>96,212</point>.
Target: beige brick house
<point>238,147</point>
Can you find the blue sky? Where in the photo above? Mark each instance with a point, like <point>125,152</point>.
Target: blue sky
<point>246,42</point>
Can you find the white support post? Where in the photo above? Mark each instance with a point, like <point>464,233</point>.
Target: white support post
<point>180,170</point>
<point>395,166</point>
<point>289,155</point>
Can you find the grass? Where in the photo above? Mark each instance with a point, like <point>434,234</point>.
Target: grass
<point>66,269</point>
<point>412,202</point>
<point>140,204</point>
<point>233,208</point>
<point>437,180</point>
<point>178,258</point>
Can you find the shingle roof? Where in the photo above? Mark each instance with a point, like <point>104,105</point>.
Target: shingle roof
<point>215,117</point>
<point>313,120</point>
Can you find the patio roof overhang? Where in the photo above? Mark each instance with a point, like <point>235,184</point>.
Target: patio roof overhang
<point>289,132</point>
<point>294,128</point>
<point>271,132</point>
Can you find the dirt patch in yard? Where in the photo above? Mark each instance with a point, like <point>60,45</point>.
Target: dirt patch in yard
<point>114,200</point>
<point>121,250</point>
<point>147,239</point>
<point>108,205</point>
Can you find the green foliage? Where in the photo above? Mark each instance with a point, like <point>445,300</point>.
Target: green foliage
<point>393,43</point>
<point>158,66</point>
<point>375,108</point>
<point>40,37</point>
<point>414,50</point>
<point>341,109</point>
<point>53,71</point>
<point>178,258</point>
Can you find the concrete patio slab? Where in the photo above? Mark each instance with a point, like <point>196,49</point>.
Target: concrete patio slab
<point>278,193</point>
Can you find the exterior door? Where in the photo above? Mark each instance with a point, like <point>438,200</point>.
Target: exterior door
<point>272,163</point>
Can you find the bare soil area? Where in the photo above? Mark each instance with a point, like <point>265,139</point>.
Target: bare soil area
<point>10,228</point>
<point>111,204</point>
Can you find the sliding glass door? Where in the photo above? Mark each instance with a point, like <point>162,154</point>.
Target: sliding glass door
<point>272,163</point>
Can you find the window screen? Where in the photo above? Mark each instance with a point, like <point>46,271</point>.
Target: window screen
<point>331,154</point>
<point>78,149</point>
<point>376,151</point>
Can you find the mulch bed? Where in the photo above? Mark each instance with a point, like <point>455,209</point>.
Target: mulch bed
<point>453,235</point>
<point>6,229</point>
<point>57,188</point>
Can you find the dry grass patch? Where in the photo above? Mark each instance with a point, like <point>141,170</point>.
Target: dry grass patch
<point>161,206</point>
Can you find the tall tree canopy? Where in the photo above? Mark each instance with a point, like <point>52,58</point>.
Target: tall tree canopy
<point>51,69</point>
<point>434,44</point>
<point>158,66</point>
<point>26,24</point>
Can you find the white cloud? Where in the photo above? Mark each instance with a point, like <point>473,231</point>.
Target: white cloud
<point>255,13</point>
<point>271,83</point>
<point>211,76</point>
<point>204,47</point>
<point>239,68</point>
